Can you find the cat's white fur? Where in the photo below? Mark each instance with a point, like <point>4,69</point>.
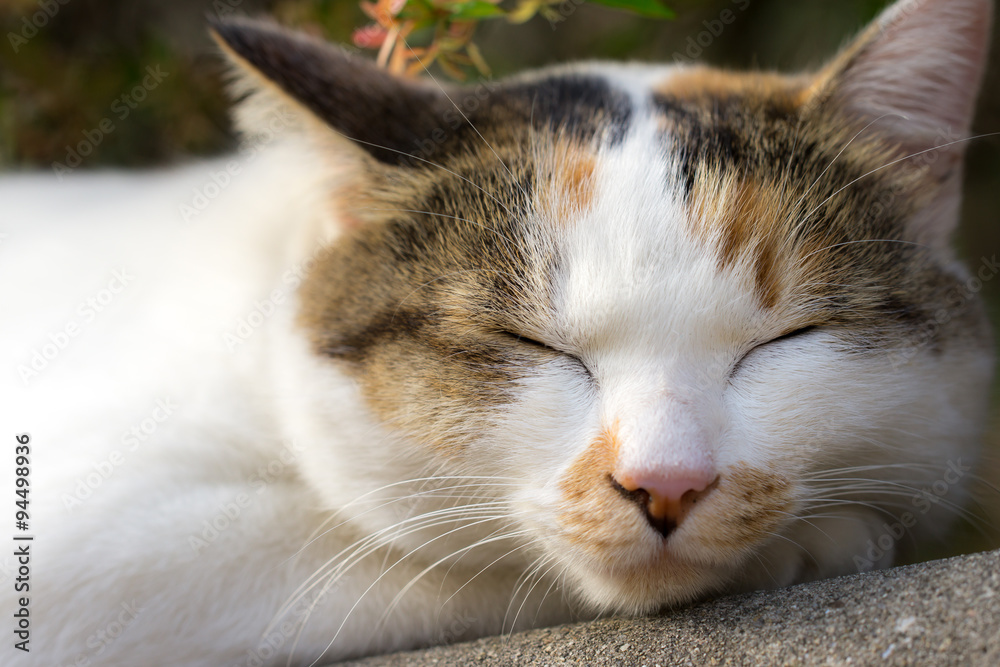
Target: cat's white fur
<point>125,560</point>
<point>161,339</point>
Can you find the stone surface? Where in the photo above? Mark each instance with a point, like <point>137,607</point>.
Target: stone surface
<point>938,613</point>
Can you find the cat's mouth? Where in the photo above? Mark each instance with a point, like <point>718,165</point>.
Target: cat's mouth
<point>624,532</point>
<point>630,554</point>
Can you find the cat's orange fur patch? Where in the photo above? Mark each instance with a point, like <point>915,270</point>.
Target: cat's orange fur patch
<point>591,517</point>
<point>597,459</point>
<point>572,183</point>
<point>744,218</point>
<point>700,83</point>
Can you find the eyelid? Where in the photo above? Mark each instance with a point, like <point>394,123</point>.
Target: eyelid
<point>548,348</point>
<point>783,337</point>
<point>531,341</point>
<point>791,334</point>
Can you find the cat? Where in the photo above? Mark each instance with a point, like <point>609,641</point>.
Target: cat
<point>423,363</point>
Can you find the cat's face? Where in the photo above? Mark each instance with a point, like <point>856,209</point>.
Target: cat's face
<point>681,329</point>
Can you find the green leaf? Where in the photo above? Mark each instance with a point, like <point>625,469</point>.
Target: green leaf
<point>650,8</point>
<point>476,9</point>
<point>416,9</point>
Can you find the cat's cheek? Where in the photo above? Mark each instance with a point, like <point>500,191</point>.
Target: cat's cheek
<point>824,547</point>
<point>866,445</point>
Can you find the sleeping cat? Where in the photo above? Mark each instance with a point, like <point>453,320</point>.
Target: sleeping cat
<point>422,363</point>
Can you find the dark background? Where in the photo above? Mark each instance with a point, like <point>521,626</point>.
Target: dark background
<point>65,77</point>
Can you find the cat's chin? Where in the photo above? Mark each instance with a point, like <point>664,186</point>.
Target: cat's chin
<point>669,577</point>
<point>643,587</point>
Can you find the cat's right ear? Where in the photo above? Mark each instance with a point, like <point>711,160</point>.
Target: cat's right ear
<point>912,79</point>
<point>325,87</point>
<point>918,66</point>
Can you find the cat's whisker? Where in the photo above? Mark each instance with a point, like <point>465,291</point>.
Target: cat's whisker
<point>405,527</point>
<point>885,166</point>
<point>330,578</point>
<point>829,502</point>
<point>528,575</point>
<point>444,92</point>
<point>378,540</point>
<point>435,164</point>
<point>363,550</point>
<point>526,545</point>
<point>809,517</point>
<point>319,532</point>
<point>850,482</point>
<point>868,467</point>
<point>767,567</point>
<point>384,573</point>
<point>871,491</point>
<point>794,517</point>
<point>538,579</point>
<point>408,526</point>
<point>885,505</point>
<point>879,487</point>
<point>545,595</point>
<point>819,178</point>
<point>779,536</point>
<point>464,550</point>
<point>440,215</point>
<point>489,479</point>
<point>979,479</point>
<point>505,527</point>
<point>807,552</point>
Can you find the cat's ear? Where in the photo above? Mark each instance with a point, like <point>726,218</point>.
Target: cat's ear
<point>915,71</point>
<point>384,115</point>
<point>918,67</point>
<point>912,79</point>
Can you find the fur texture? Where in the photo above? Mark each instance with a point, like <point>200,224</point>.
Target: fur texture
<point>388,386</point>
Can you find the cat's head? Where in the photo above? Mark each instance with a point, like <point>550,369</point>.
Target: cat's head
<point>677,329</point>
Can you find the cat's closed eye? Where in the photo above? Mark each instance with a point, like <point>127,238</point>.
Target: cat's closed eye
<point>539,346</point>
<point>791,335</point>
<point>531,342</point>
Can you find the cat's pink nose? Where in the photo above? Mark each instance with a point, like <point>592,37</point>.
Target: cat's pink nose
<point>665,496</point>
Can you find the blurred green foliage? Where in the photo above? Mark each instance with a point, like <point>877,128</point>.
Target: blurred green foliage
<point>64,62</point>
<point>411,35</point>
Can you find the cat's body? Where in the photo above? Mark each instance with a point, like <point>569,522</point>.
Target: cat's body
<point>226,519</point>
<point>744,348</point>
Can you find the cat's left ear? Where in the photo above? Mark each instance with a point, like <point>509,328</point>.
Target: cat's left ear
<point>914,76</point>
<point>386,117</point>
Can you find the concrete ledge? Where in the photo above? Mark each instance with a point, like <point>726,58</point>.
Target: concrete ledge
<point>938,613</point>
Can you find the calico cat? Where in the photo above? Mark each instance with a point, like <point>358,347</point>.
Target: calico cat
<point>423,363</point>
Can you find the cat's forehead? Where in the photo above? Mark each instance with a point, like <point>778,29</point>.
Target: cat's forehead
<point>680,177</point>
<point>624,203</point>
